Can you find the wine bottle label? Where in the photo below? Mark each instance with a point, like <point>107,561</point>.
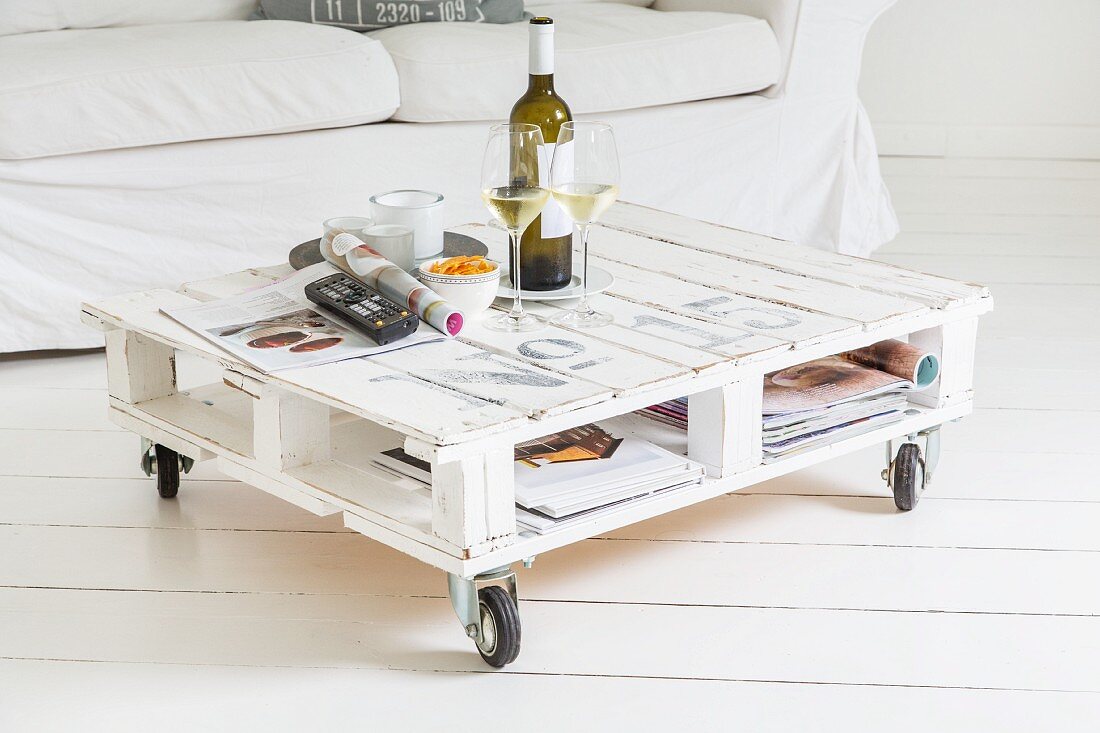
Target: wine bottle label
<point>555,222</point>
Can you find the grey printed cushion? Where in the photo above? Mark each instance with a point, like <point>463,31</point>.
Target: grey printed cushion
<point>368,15</point>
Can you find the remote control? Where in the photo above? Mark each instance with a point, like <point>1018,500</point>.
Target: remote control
<point>375,316</point>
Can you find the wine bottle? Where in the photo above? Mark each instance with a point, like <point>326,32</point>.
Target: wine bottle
<point>546,249</point>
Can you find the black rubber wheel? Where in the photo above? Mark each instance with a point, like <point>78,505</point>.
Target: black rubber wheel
<point>908,476</point>
<point>500,626</point>
<point>168,471</point>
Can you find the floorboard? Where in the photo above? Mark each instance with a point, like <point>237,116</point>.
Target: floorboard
<point>988,651</point>
<point>126,696</point>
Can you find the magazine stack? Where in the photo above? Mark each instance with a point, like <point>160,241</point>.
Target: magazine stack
<point>577,474</point>
<point>829,399</point>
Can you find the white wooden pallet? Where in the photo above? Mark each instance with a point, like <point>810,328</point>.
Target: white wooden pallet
<point>701,311</point>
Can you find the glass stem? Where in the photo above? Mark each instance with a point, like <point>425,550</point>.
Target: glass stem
<point>517,302</point>
<point>583,308</point>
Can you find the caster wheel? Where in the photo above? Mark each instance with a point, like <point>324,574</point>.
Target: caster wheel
<point>500,626</point>
<point>168,471</point>
<point>908,476</point>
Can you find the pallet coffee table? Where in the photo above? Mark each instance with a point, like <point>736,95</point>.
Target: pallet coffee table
<point>700,310</point>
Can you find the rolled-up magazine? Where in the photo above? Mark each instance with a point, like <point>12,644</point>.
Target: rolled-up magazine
<point>900,359</point>
<point>883,367</point>
<point>350,254</point>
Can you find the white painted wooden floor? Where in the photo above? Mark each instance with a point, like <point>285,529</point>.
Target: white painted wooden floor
<point>808,604</point>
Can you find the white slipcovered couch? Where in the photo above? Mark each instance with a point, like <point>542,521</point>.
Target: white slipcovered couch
<point>147,143</point>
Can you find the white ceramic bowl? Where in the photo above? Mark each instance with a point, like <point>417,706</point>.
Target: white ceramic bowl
<point>471,294</point>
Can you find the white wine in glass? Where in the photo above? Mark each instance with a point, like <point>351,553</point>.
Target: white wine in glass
<point>586,202</point>
<point>515,207</point>
<point>584,179</point>
<point>511,191</point>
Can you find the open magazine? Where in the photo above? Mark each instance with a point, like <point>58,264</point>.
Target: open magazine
<point>276,327</point>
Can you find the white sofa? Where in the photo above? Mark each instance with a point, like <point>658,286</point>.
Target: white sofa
<point>147,143</point>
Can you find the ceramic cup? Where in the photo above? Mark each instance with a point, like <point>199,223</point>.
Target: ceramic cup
<point>350,224</point>
<point>420,210</point>
<point>392,241</point>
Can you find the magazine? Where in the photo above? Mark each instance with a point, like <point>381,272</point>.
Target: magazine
<point>275,327</point>
<point>576,473</point>
<point>836,397</point>
<point>885,366</point>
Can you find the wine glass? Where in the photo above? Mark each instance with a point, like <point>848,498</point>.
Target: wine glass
<point>510,189</point>
<point>584,180</point>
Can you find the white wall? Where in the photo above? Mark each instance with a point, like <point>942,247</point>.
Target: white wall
<point>999,78</point>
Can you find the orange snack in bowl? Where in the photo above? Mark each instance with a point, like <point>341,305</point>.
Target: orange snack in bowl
<point>463,265</point>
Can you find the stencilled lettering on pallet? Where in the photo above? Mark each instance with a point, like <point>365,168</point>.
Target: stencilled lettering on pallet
<point>727,308</point>
<point>574,354</point>
<point>533,390</point>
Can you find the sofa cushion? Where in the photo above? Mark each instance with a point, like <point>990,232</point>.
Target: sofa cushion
<point>609,57</point>
<point>374,15</point>
<point>33,16</point>
<point>80,90</point>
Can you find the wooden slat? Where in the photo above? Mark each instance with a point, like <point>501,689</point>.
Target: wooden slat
<point>680,339</point>
<point>646,288</point>
<point>399,400</point>
<point>726,308</point>
<point>577,355</point>
<point>529,389</point>
<point>855,272</point>
<point>704,268</point>
<point>363,387</point>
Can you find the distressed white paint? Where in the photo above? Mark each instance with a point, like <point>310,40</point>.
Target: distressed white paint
<point>578,355</point>
<point>698,344</point>
<point>724,426</point>
<point>954,343</point>
<point>746,278</point>
<point>473,495</point>
<point>528,388</point>
<point>691,322</point>
<point>723,307</point>
<point>290,430</point>
<point>879,277</point>
<point>138,368</point>
<point>362,387</point>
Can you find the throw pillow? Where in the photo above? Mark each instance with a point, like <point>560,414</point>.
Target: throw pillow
<point>368,15</point>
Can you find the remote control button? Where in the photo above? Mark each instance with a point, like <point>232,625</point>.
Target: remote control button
<point>354,298</point>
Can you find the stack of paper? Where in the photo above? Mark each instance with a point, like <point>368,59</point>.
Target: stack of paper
<point>829,399</point>
<point>673,412</point>
<point>577,474</point>
<point>585,468</point>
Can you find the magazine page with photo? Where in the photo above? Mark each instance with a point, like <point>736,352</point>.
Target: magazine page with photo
<point>276,327</point>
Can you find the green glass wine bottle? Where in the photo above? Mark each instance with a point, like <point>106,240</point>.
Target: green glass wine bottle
<point>546,248</point>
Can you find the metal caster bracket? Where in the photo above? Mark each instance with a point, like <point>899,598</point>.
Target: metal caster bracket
<point>930,456</point>
<point>149,459</point>
<point>463,593</point>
